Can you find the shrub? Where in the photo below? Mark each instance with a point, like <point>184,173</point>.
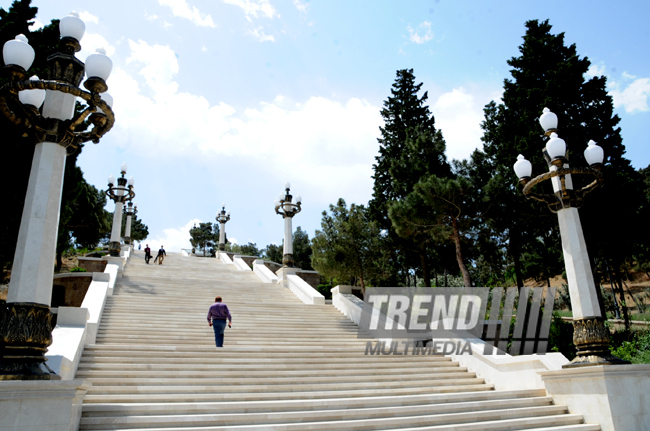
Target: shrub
<point>77,269</point>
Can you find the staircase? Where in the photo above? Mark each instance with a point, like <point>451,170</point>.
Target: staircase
<point>284,366</point>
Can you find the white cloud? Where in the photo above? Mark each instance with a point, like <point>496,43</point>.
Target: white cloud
<point>92,41</point>
<point>182,9</point>
<point>232,240</point>
<point>259,34</point>
<point>634,97</point>
<point>318,138</point>
<point>88,17</point>
<point>150,17</point>
<point>596,70</point>
<point>36,25</point>
<point>252,8</point>
<point>459,116</point>
<point>204,49</point>
<point>422,34</point>
<point>173,238</point>
<point>301,6</point>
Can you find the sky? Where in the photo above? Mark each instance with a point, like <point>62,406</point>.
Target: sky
<point>223,101</point>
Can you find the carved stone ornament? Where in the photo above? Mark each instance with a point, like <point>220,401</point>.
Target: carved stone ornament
<point>591,338</point>
<point>26,332</point>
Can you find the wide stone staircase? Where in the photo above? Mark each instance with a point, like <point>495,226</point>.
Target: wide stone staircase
<point>284,366</point>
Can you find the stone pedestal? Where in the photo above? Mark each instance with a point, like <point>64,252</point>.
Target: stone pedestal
<point>615,396</point>
<point>282,274</point>
<point>41,405</point>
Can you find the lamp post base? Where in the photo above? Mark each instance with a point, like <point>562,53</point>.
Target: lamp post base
<point>591,338</point>
<point>287,260</point>
<point>26,332</point>
<point>127,240</point>
<point>114,248</point>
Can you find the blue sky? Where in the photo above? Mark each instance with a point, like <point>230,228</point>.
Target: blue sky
<point>224,100</point>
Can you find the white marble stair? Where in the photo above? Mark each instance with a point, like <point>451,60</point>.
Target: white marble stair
<point>285,366</point>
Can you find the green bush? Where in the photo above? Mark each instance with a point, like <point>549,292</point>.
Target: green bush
<point>325,290</point>
<point>560,337</point>
<point>635,349</point>
<point>77,269</point>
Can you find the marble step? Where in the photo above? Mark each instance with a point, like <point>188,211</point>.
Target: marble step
<point>275,396</point>
<point>182,371</point>
<point>506,419</point>
<point>272,378</point>
<point>475,409</point>
<point>444,399</point>
<point>283,385</point>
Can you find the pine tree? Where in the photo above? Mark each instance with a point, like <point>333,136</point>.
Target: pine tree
<point>549,74</point>
<point>410,148</point>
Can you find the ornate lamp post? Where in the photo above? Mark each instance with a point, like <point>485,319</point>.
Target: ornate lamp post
<point>131,210</point>
<point>222,218</point>
<point>590,335</point>
<point>119,194</point>
<point>25,321</point>
<point>287,206</point>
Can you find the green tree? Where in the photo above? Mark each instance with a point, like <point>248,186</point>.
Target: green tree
<point>302,249</point>
<point>435,210</point>
<point>273,253</point>
<point>204,236</point>
<point>250,249</point>
<point>348,246</point>
<point>550,74</point>
<point>410,147</point>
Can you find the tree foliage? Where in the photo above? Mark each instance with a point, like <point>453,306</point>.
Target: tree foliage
<point>410,148</point>
<point>204,237</point>
<point>550,74</point>
<point>349,247</point>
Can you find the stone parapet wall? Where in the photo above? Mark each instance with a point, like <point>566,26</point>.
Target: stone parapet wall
<point>92,264</point>
<point>70,289</point>
<point>312,278</point>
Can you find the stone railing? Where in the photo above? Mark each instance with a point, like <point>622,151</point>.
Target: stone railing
<point>92,264</point>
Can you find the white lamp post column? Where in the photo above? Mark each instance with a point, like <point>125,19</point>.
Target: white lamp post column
<point>222,218</point>
<point>25,320</point>
<point>590,335</point>
<point>288,206</point>
<point>119,194</point>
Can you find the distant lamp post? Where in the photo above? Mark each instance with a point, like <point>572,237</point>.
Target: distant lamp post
<point>222,218</point>
<point>130,210</point>
<point>119,193</point>
<point>44,110</point>
<point>288,206</point>
<point>590,335</point>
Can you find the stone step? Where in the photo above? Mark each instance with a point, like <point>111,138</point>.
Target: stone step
<point>476,411</point>
<point>444,399</point>
<point>182,371</point>
<point>272,378</point>
<point>193,397</point>
<point>510,419</point>
<point>155,387</point>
